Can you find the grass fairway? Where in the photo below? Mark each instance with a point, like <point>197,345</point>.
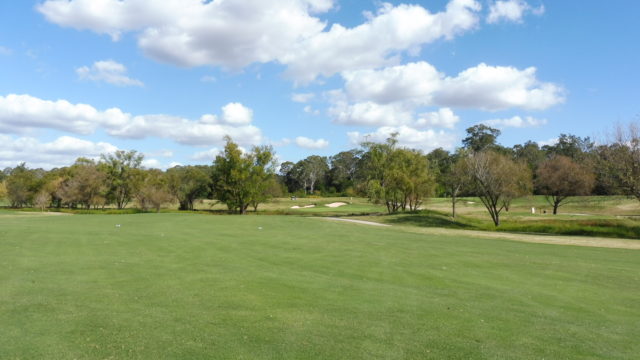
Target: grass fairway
<point>187,286</point>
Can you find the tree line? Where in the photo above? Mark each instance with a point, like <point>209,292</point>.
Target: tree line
<point>398,178</point>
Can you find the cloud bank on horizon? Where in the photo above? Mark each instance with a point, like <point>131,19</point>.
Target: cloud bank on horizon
<point>369,80</point>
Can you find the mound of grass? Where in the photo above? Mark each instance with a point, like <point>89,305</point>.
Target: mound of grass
<point>614,228</point>
<point>201,287</point>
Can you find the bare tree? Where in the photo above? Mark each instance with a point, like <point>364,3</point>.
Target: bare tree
<point>496,179</point>
<point>559,178</point>
<point>455,180</point>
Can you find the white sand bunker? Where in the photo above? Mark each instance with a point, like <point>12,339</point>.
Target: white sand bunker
<point>302,207</point>
<point>336,204</point>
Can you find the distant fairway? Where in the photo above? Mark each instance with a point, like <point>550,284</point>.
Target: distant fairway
<point>187,286</point>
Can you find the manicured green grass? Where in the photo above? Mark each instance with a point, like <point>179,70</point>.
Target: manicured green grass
<point>188,286</point>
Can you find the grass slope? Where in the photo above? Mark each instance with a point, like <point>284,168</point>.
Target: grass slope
<point>201,287</point>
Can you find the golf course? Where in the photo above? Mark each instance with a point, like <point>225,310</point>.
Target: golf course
<point>202,286</point>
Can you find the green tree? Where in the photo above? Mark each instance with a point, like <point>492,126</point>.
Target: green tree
<point>241,180</point>
<point>153,191</point>
<point>189,183</point>
<point>398,178</point>
<point>122,177</point>
<point>343,168</point>
<point>480,137</point>
<point>84,185</point>
<point>22,184</point>
<point>310,171</point>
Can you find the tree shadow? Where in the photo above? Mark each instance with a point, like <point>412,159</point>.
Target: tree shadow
<point>429,219</point>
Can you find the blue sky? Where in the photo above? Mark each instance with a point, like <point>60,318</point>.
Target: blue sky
<point>172,78</point>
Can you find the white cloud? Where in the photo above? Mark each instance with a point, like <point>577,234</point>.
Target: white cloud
<point>208,155</point>
<point>236,114</point>
<point>5,51</point>
<point>370,113</point>
<point>549,142</point>
<point>235,33</point>
<point>108,71</point>
<point>305,142</point>
<point>302,97</point>
<point>443,118</point>
<point>378,41</point>
<point>20,113</point>
<point>511,11</point>
<point>61,152</point>
<point>516,122</point>
<point>481,87</point>
<point>411,82</point>
<point>426,140</point>
<point>151,163</point>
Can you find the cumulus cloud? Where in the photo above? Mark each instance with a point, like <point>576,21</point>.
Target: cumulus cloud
<point>393,96</point>
<point>305,142</point>
<point>19,113</point>
<point>107,71</point>
<point>425,140</point>
<point>443,118</point>
<point>481,87</point>
<point>235,33</point>
<point>378,41</point>
<point>5,51</point>
<point>511,11</point>
<point>60,152</point>
<point>516,122</point>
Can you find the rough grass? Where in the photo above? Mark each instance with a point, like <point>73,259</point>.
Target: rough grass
<point>592,226</point>
<point>272,287</point>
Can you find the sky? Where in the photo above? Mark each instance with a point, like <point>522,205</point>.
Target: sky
<point>172,78</point>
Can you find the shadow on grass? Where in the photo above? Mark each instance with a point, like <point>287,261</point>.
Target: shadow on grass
<point>429,218</point>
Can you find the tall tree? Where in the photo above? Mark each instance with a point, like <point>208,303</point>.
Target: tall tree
<point>310,171</point>
<point>559,178</point>
<point>455,180</point>
<point>153,191</point>
<point>22,185</point>
<point>480,137</point>
<point>241,179</point>
<point>344,166</point>
<point>399,178</point>
<point>85,185</point>
<point>496,179</point>
<point>122,177</point>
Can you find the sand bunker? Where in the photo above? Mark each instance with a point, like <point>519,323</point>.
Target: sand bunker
<point>302,207</point>
<point>336,204</point>
<point>356,221</point>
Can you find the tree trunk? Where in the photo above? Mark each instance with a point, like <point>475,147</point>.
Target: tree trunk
<point>453,205</point>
